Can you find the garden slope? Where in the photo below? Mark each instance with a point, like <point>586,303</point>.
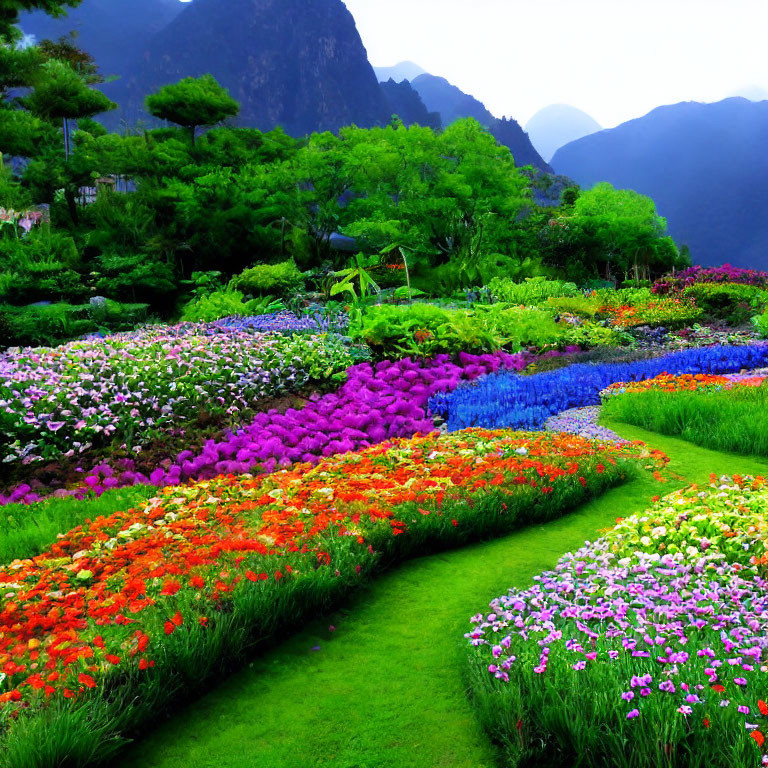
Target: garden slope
<point>385,688</point>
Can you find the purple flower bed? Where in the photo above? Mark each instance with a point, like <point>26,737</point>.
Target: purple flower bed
<point>376,403</point>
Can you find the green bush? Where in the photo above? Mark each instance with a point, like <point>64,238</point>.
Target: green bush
<point>226,303</point>
<point>425,330</point>
<point>732,303</point>
<point>533,291</point>
<point>56,323</point>
<point>283,280</point>
<point>761,324</point>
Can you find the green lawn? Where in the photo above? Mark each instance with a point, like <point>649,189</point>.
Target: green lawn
<point>385,689</point>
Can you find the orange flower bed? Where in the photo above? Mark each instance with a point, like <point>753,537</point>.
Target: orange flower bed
<point>113,603</point>
<point>684,382</point>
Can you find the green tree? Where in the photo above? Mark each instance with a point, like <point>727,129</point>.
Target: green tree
<point>192,102</point>
<point>62,94</point>
<point>10,9</point>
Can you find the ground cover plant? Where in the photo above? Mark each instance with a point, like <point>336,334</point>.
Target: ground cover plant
<point>144,604</point>
<point>645,648</point>
<point>697,274</point>
<point>715,412</point>
<point>527,401</point>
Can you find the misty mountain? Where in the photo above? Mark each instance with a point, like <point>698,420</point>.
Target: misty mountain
<point>705,165</point>
<point>114,33</point>
<point>453,104</point>
<point>405,70</point>
<point>557,125</point>
<point>299,64</point>
<point>402,100</point>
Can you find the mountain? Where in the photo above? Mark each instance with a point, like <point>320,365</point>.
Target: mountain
<point>705,165</point>
<point>299,64</point>
<point>405,70</point>
<point>453,104</point>
<point>557,125</point>
<point>114,33</point>
<point>403,101</point>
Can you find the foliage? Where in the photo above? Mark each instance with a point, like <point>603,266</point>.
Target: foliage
<point>10,10</point>
<point>534,290</point>
<point>282,280</point>
<point>733,303</point>
<point>191,102</point>
<point>37,325</point>
<point>691,570</point>
<point>255,552</point>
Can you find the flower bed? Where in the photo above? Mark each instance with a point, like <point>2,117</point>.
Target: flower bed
<point>646,648</point>
<point>141,604</point>
<point>724,274</point>
<point>526,402</point>
<point>66,400</point>
<point>685,382</point>
<point>286,322</point>
<point>666,311</point>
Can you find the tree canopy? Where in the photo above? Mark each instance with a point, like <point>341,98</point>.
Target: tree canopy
<point>192,102</point>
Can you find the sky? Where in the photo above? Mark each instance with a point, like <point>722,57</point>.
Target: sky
<point>615,59</point>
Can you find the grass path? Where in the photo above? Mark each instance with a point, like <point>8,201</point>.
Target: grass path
<point>385,689</point>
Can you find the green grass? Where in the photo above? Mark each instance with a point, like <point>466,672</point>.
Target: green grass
<point>386,688</point>
<point>728,420</point>
<point>29,529</point>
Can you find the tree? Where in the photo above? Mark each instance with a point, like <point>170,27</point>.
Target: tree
<point>62,94</point>
<point>192,102</point>
<point>10,9</point>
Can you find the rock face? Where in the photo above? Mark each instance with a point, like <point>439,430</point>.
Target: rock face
<point>557,125</point>
<point>705,165</point>
<point>453,104</point>
<point>115,33</point>
<point>402,100</point>
<point>296,63</point>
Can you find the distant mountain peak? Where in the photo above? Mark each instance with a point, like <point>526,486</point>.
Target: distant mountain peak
<point>404,70</point>
<point>556,125</point>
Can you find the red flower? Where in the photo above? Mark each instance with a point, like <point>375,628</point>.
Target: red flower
<point>86,680</point>
<point>112,659</point>
<point>763,707</point>
<point>197,582</point>
<point>170,587</point>
<point>758,737</point>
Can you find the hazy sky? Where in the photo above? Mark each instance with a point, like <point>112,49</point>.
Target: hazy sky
<point>615,59</point>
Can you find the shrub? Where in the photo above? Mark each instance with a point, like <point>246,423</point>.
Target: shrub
<point>283,280</point>
<point>733,303</point>
<point>52,324</point>
<point>761,324</point>
<point>534,290</point>
<point>227,303</point>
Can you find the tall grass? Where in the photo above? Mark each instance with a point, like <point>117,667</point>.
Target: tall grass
<point>733,420</point>
<point>26,530</point>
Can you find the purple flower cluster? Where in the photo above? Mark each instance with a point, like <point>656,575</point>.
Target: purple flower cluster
<point>377,402</point>
<point>582,422</point>
<point>287,322</point>
<point>724,274</point>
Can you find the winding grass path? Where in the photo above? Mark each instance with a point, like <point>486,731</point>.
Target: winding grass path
<point>385,688</point>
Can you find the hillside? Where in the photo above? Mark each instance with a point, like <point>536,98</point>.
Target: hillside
<point>557,125</point>
<point>705,165</point>
<point>404,101</point>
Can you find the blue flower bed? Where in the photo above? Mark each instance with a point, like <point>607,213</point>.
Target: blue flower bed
<point>287,322</point>
<point>526,402</point>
